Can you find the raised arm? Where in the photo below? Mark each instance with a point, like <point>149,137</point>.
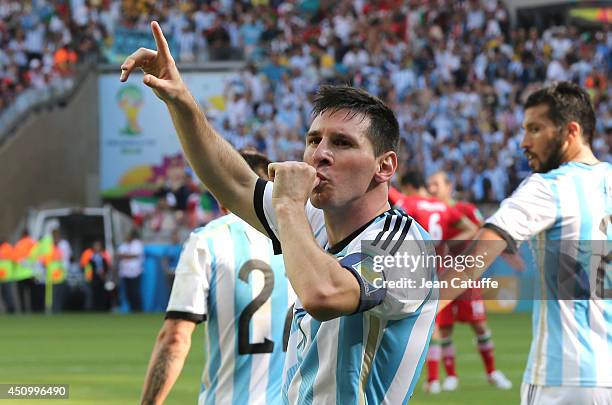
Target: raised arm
<point>214,160</point>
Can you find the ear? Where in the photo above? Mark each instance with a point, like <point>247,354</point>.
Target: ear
<point>574,133</point>
<point>387,164</point>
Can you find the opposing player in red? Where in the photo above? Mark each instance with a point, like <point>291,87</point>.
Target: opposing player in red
<point>444,223</point>
<point>436,216</point>
<point>468,308</point>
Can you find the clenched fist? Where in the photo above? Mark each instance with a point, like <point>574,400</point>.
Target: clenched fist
<point>293,182</point>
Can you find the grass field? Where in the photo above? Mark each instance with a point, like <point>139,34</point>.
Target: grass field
<point>104,358</point>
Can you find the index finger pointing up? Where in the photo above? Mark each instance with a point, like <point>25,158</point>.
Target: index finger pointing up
<point>160,40</point>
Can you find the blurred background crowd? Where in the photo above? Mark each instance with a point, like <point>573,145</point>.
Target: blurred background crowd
<point>455,72</point>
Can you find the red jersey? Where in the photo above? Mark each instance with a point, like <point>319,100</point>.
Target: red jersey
<point>437,217</point>
<point>470,211</point>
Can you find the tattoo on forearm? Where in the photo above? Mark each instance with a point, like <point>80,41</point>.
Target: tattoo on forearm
<point>158,375</point>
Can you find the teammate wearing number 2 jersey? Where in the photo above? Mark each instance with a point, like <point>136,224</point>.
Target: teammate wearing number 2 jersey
<point>229,277</point>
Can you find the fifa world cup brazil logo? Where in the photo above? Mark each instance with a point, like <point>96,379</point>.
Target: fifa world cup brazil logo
<point>130,100</point>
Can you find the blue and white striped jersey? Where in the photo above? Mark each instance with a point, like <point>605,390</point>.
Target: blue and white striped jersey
<point>566,214</point>
<point>375,355</point>
<point>228,275</point>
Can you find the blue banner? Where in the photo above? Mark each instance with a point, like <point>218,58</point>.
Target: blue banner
<point>128,40</point>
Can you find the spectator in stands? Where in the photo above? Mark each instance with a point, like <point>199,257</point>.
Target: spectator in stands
<point>96,265</point>
<point>159,225</point>
<point>131,265</point>
<point>218,40</point>
<point>65,59</point>
<point>173,186</point>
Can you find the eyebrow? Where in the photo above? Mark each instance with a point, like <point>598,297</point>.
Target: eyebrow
<point>530,124</point>
<point>335,133</point>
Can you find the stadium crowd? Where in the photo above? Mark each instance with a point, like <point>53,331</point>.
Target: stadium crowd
<point>41,42</point>
<point>453,71</point>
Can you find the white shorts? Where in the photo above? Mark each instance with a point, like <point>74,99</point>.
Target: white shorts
<point>543,395</point>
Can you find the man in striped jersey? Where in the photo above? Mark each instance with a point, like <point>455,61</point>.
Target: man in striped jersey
<point>228,276</point>
<point>355,337</point>
<point>565,209</point>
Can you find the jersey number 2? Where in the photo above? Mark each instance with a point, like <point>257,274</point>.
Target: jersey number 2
<point>244,332</point>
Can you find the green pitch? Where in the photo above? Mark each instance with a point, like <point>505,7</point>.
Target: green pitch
<point>104,358</point>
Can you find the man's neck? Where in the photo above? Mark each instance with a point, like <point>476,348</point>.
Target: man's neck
<point>582,155</point>
<point>341,222</point>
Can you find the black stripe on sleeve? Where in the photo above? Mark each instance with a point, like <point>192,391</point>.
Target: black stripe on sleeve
<point>369,296</point>
<point>512,246</point>
<point>186,316</point>
<point>382,232</point>
<point>258,197</point>
<point>402,237</point>
<point>396,228</point>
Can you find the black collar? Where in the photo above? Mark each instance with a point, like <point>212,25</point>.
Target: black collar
<point>338,247</point>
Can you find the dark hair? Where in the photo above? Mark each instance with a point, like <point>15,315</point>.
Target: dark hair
<point>384,129</point>
<point>566,102</point>
<point>257,161</point>
<point>413,178</point>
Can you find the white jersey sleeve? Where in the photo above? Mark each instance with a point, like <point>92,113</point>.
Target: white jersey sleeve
<point>389,261</point>
<point>188,299</point>
<point>262,201</point>
<point>527,212</point>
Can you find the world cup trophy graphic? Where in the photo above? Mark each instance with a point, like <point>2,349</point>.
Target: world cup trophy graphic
<point>130,100</point>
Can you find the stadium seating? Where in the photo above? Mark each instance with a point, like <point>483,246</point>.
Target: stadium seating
<point>453,71</point>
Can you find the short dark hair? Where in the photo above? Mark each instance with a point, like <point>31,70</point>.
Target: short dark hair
<point>258,162</point>
<point>384,129</point>
<point>566,102</point>
<point>414,178</point>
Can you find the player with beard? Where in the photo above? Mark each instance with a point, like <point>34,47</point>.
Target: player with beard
<point>564,208</point>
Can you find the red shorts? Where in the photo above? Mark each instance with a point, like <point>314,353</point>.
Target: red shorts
<point>468,308</point>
